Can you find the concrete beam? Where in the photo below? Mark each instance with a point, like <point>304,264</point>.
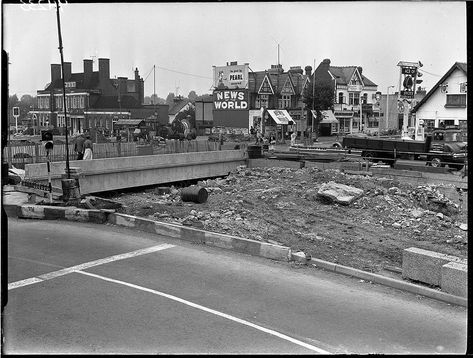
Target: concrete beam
<point>424,265</point>
<point>454,278</point>
<point>118,173</point>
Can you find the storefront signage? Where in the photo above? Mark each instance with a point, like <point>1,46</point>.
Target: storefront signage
<point>354,88</point>
<point>230,100</point>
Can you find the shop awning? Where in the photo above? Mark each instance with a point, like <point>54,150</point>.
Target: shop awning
<point>327,117</point>
<point>130,122</point>
<point>281,116</point>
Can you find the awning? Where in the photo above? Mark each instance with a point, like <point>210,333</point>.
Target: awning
<point>129,122</point>
<point>327,117</point>
<point>281,116</point>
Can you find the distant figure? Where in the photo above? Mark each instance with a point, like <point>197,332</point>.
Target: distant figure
<point>87,148</point>
<point>259,137</point>
<point>79,147</point>
<point>272,142</point>
<point>293,138</point>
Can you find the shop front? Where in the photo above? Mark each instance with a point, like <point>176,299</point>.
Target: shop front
<point>280,123</point>
<point>329,125</point>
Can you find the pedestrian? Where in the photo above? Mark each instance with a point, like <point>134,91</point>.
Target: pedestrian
<point>87,148</point>
<point>259,137</point>
<point>79,146</point>
<point>293,138</point>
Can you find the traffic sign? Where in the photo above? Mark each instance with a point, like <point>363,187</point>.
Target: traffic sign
<point>16,111</point>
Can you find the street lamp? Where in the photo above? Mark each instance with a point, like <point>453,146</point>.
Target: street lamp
<point>387,106</point>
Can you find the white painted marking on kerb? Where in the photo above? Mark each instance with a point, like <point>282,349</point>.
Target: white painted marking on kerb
<point>218,313</point>
<point>68,270</point>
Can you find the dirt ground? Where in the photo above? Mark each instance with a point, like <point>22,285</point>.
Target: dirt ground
<point>281,206</point>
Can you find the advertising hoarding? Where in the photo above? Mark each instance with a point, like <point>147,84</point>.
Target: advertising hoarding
<point>231,108</point>
<point>233,76</point>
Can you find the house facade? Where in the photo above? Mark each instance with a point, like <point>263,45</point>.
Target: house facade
<point>355,104</point>
<point>446,103</point>
<point>93,99</point>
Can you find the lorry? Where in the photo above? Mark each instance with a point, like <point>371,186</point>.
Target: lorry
<point>441,147</point>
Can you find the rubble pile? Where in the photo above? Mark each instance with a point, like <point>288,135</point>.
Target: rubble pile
<point>287,206</point>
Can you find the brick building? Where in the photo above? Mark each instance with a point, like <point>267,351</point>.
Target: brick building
<point>94,100</point>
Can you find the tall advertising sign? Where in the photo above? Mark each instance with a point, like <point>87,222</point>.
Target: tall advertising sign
<point>231,108</point>
<point>231,77</point>
<point>407,79</point>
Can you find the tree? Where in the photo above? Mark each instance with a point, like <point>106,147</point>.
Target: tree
<point>319,98</point>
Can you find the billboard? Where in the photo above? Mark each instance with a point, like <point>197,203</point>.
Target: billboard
<point>230,100</point>
<point>407,79</point>
<point>233,76</point>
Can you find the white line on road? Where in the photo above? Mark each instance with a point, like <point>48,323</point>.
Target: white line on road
<point>68,270</point>
<point>203,308</point>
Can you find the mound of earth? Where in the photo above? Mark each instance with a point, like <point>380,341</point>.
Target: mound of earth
<point>282,206</point>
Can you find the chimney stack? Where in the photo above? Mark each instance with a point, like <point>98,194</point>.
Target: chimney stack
<point>55,72</point>
<point>88,69</point>
<point>104,69</point>
<point>67,71</point>
<point>308,70</point>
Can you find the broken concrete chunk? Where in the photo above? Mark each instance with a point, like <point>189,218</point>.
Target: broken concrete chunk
<point>339,193</point>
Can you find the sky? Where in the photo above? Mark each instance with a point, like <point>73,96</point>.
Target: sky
<point>184,40</point>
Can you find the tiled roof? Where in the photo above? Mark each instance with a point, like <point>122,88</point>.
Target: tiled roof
<point>345,73</point>
<point>78,78</point>
<point>277,80</point>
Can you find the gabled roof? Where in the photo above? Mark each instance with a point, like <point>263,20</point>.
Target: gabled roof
<point>462,66</point>
<point>177,107</point>
<point>267,79</point>
<point>277,80</point>
<point>343,74</point>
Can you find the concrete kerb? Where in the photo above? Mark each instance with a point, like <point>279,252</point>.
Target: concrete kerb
<point>247,246</point>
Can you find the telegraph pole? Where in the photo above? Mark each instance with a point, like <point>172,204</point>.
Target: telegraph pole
<point>63,88</point>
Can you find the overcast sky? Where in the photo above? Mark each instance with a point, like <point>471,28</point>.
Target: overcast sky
<point>184,40</point>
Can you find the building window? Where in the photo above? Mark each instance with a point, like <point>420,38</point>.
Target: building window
<point>456,100</point>
<point>365,98</point>
<point>340,98</point>
<point>284,101</point>
<point>373,122</point>
<point>353,98</point>
<point>81,102</point>
<point>262,101</point>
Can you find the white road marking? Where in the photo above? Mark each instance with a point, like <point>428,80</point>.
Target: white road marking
<point>218,313</point>
<point>68,270</point>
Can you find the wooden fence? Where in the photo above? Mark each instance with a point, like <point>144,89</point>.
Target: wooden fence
<point>19,155</point>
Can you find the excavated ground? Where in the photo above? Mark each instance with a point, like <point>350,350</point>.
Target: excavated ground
<point>281,205</point>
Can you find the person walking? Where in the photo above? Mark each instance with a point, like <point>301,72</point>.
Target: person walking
<point>87,147</point>
<point>79,146</point>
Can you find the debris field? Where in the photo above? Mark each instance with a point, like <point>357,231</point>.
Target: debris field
<point>286,206</point>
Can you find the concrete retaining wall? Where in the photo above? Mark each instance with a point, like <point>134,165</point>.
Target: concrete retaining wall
<point>118,173</point>
<point>428,267</point>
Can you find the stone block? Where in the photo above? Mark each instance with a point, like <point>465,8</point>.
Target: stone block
<point>424,265</point>
<point>454,278</point>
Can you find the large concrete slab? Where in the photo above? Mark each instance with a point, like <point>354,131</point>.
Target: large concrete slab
<point>424,265</point>
<point>117,173</point>
<point>454,278</point>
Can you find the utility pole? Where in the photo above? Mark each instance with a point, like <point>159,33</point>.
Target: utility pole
<point>63,88</point>
<point>313,102</point>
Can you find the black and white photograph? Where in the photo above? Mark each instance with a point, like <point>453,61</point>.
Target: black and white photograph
<point>209,178</point>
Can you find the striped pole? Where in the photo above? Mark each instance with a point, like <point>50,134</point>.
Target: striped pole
<point>50,187</point>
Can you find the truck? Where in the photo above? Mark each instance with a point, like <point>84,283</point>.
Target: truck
<point>441,147</point>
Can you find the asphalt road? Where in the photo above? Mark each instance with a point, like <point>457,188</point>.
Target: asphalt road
<point>87,288</point>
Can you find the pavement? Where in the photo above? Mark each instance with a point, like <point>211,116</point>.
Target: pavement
<point>16,204</point>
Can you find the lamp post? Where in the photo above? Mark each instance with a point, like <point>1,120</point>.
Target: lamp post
<point>387,106</point>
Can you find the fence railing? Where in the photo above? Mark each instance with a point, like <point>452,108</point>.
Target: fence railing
<point>19,155</point>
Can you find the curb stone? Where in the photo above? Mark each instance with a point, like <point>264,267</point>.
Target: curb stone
<point>242,245</point>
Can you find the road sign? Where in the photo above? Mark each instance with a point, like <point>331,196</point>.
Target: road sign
<point>16,111</point>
